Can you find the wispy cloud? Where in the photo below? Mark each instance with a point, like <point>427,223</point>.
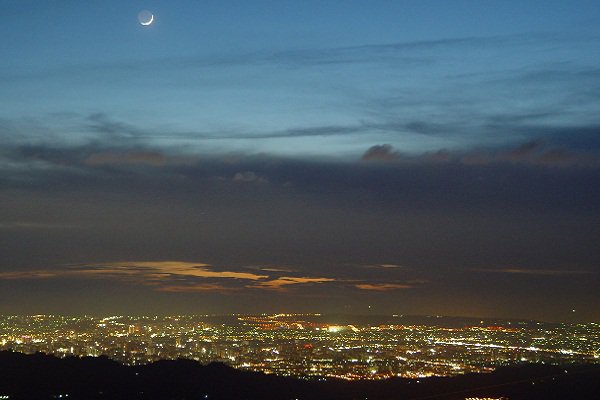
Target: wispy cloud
<point>369,53</point>
<point>197,287</point>
<point>275,269</point>
<point>282,282</point>
<point>530,271</point>
<point>383,287</point>
<point>127,158</point>
<point>171,276</point>
<point>101,123</point>
<point>386,266</point>
<point>190,277</point>
<point>177,269</point>
<point>161,274</point>
<point>36,274</point>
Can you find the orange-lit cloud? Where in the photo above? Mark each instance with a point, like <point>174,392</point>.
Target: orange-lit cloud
<point>280,283</point>
<point>382,287</point>
<point>161,274</point>
<point>170,276</point>
<point>173,269</point>
<point>276,269</point>
<point>27,275</point>
<point>189,277</point>
<point>271,268</point>
<point>200,287</point>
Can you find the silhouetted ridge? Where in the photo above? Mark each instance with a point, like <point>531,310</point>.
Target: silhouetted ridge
<point>40,376</point>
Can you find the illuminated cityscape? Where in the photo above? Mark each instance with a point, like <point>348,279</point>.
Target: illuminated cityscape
<point>310,345</point>
<point>299,200</point>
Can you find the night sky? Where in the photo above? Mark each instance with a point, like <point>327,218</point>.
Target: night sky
<point>361,157</point>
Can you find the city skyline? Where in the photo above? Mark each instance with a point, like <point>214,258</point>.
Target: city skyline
<point>418,158</point>
<point>310,346</point>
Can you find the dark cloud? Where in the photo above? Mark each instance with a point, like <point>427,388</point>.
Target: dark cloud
<point>313,228</point>
<point>535,153</point>
<point>523,152</point>
<point>564,157</point>
<point>249,176</point>
<point>536,271</point>
<point>100,123</point>
<point>381,152</point>
<point>426,128</point>
<point>135,157</point>
<point>517,175</point>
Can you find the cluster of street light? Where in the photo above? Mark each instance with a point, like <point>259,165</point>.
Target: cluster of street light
<point>306,345</point>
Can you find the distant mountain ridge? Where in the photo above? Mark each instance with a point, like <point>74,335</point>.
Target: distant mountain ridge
<point>41,376</point>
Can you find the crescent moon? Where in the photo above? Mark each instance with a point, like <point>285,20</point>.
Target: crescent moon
<point>149,21</point>
<point>145,17</point>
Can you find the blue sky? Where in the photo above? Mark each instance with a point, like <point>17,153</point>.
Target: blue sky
<point>301,78</point>
<point>420,157</point>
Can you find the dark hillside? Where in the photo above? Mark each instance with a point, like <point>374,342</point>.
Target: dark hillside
<point>45,377</point>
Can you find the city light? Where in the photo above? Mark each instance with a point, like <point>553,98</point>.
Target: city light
<point>305,345</point>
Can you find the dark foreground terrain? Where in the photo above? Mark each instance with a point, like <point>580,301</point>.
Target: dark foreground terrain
<point>45,377</point>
